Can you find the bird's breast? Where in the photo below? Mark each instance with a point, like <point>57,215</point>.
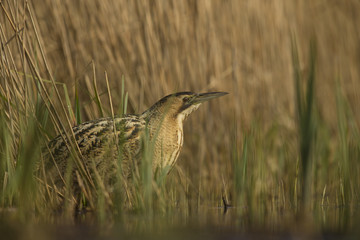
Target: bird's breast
<point>174,148</point>
<point>168,144</point>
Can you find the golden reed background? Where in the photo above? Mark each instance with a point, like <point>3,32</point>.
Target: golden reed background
<point>242,47</point>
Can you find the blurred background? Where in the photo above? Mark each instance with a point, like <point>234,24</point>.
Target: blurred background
<point>241,47</point>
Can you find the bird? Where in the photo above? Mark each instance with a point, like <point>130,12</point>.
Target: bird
<point>104,142</point>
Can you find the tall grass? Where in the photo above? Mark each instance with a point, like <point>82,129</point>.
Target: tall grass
<point>305,109</point>
<point>288,147</point>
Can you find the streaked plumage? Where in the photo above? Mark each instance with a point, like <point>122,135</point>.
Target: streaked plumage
<point>160,125</point>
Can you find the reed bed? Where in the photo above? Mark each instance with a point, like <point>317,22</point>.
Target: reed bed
<point>284,144</point>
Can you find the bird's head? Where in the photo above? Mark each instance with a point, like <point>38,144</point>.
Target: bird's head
<point>180,105</point>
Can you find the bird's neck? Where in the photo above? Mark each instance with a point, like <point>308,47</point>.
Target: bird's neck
<point>166,134</point>
<point>159,122</point>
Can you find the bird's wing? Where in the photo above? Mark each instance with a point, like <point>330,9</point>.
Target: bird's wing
<point>99,145</point>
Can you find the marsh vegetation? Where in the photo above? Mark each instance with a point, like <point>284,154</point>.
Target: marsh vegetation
<point>280,153</point>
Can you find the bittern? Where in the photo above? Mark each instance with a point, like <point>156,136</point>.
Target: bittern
<point>101,145</point>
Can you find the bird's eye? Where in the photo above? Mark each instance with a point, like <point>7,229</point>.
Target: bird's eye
<point>185,99</point>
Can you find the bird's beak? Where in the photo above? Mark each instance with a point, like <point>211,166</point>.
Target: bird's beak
<point>203,97</point>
